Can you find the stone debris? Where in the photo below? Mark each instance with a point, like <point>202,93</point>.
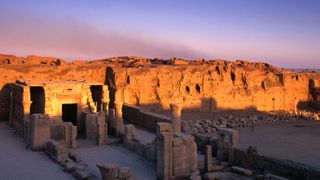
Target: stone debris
<point>113,172</point>
<point>211,176</point>
<point>57,152</point>
<point>229,121</point>
<point>242,171</point>
<point>270,177</point>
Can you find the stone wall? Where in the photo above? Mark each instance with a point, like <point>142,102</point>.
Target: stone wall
<point>214,86</point>
<point>202,86</point>
<point>43,70</point>
<point>286,168</point>
<point>40,129</point>
<point>137,116</point>
<point>147,150</point>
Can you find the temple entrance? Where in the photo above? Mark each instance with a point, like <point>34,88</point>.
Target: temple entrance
<point>69,113</point>
<point>37,100</point>
<point>96,92</point>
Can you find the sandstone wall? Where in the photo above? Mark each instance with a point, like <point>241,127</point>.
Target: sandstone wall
<point>153,83</point>
<point>10,73</point>
<point>214,86</point>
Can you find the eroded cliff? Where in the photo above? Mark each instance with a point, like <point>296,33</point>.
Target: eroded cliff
<point>205,86</point>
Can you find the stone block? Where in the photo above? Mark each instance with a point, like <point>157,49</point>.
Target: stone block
<point>242,171</point>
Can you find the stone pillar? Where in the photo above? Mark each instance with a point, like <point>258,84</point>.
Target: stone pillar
<point>176,117</point>
<point>105,97</point>
<point>178,157</point>
<point>296,106</point>
<point>164,151</point>
<point>91,126</point>
<point>70,135</point>
<point>26,102</point>
<point>119,119</point>
<point>208,159</point>
<point>190,154</point>
<point>129,132</point>
<point>102,129</point>
<point>40,131</point>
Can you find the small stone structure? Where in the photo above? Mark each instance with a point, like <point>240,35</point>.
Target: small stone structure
<point>176,153</point>
<point>228,140</point>
<point>56,151</point>
<point>64,99</point>
<point>41,129</point>
<point>113,172</point>
<point>96,127</point>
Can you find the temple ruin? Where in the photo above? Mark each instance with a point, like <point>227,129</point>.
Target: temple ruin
<point>184,117</point>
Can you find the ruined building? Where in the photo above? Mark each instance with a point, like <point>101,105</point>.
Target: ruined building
<point>53,104</point>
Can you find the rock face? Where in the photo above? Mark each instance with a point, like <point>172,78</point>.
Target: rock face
<point>202,86</point>
<point>214,85</point>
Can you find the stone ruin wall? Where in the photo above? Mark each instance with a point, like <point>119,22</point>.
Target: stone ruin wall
<point>213,87</point>
<point>9,73</point>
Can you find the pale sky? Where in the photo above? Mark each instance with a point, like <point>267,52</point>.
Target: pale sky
<point>285,33</point>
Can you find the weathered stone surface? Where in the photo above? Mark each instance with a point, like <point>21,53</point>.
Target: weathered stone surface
<point>241,171</point>
<point>57,151</point>
<point>113,172</point>
<point>211,176</point>
<point>256,85</point>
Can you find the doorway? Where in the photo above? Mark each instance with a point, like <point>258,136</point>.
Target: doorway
<point>69,113</point>
<point>37,99</point>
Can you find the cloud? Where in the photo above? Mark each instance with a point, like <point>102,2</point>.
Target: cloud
<point>71,39</point>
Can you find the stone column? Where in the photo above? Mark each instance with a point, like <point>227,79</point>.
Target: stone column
<point>119,119</point>
<point>208,158</point>
<point>296,106</point>
<point>176,117</point>
<point>26,102</point>
<point>105,98</point>
<point>164,151</point>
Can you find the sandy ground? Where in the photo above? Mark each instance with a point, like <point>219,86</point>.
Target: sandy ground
<point>297,141</point>
<point>112,154</point>
<point>19,163</point>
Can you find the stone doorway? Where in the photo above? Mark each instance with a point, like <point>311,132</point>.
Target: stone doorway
<point>70,113</point>
<point>37,100</point>
<point>96,92</point>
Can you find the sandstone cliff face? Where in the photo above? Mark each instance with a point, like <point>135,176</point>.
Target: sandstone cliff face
<point>213,86</point>
<point>200,85</point>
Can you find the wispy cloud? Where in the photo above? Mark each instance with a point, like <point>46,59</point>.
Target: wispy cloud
<point>71,39</point>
